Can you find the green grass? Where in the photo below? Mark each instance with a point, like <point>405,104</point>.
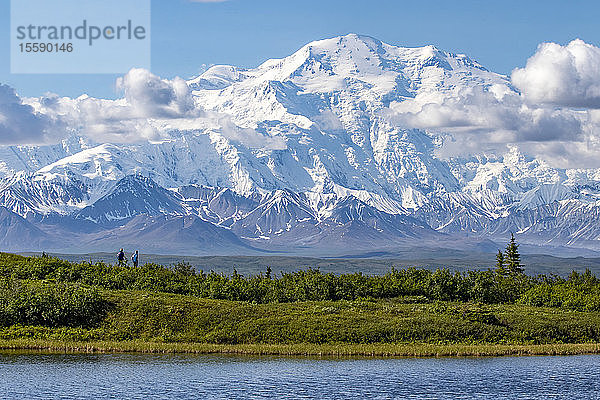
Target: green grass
<point>159,322</point>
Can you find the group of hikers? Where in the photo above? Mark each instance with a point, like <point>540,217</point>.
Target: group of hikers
<point>123,261</point>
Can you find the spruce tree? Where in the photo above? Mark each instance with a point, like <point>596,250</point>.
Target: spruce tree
<point>512,258</point>
<point>500,263</point>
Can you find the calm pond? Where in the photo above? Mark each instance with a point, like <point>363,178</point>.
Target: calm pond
<point>139,376</point>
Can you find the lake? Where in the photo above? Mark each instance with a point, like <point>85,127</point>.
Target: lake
<point>140,376</point>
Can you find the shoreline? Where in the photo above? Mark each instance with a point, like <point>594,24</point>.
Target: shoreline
<point>417,350</point>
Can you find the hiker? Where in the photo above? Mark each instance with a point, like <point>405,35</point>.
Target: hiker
<point>121,258</point>
<point>134,258</point>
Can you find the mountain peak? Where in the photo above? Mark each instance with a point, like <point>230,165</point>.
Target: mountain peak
<point>217,77</point>
<point>332,64</point>
<point>349,40</point>
<point>133,195</point>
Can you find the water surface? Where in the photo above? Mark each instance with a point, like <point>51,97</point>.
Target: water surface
<point>139,376</point>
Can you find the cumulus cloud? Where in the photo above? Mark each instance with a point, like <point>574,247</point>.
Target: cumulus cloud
<point>100,120</point>
<point>479,122</point>
<point>151,109</point>
<point>550,108</point>
<point>564,154</point>
<point>489,115</point>
<point>20,123</point>
<point>151,96</point>
<point>561,75</point>
<point>147,98</point>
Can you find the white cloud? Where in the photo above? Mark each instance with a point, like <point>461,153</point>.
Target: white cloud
<point>20,123</point>
<point>151,96</point>
<point>564,154</point>
<point>554,114</point>
<point>494,111</point>
<point>147,98</point>
<point>487,119</point>
<point>151,109</point>
<point>561,75</point>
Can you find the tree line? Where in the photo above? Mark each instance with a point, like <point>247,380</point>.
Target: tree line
<point>506,283</point>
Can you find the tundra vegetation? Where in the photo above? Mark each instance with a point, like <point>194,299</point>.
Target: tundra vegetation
<point>51,303</point>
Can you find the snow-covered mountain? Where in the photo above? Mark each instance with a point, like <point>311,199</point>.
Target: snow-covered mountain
<point>299,152</point>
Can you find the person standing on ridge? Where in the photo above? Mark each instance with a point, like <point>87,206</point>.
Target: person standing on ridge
<point>121,258</point>
<point>134,258</point>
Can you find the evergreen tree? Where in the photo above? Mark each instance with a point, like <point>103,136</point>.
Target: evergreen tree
<point>512,258</point>
<point>500,263</point>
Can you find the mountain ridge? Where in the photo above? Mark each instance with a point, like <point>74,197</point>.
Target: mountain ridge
<point>301,151</point>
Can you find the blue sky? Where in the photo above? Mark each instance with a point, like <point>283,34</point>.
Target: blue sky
<point>187,35</point>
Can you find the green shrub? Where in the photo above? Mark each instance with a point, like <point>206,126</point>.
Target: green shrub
<point>49,304</point>
<point>577,292</point>
<point>579,297</point>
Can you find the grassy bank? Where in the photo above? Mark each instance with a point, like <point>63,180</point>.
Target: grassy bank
<point>406,326</point>
<point>52,304</point>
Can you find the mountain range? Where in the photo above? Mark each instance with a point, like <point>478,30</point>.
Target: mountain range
<point>297,156</point>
